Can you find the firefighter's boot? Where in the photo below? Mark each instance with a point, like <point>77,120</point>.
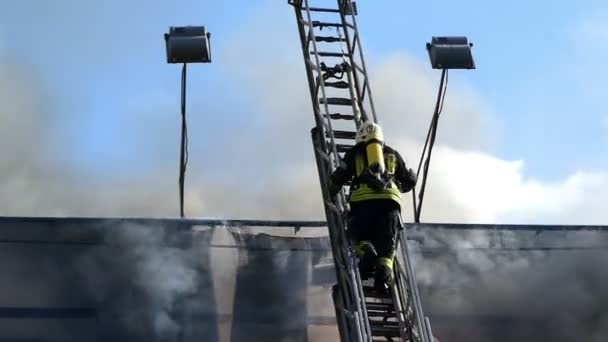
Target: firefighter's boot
<point>367,257</point>
<point>383,278</point>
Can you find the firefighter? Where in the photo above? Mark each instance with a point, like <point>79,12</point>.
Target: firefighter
<point>379,176</point>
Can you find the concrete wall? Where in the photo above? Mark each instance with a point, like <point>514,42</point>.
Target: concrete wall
<point>71,280</point>
<point>147,280</point>
<point>157,280</point>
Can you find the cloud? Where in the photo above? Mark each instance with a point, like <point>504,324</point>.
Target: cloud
<point>593,28</point>
<point>405,91</point>
<point>271,161</point>
<point>468,183</point>
<point>495,190</point>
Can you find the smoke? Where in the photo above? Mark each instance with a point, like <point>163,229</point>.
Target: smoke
<point>271,175</point>
<point>148,281</point>
<point>483,286</point>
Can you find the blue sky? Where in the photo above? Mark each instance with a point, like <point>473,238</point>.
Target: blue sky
<point>103,66</point>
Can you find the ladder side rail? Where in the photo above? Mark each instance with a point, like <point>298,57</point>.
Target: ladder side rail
<point>361,306</point>
<point>405,296</point>
<point>321,144</point>
<point>332,224</point>
<point>341,260</point>
<point>400,306</point>
<point>343,330</point>
<point>415,296</point>
<point>308,62</point>
<point>404,293</point>
<point>311,39</point>
<point>352,284</point>
<point>356,101</point>
<point>357,42</point>
<point>414,329</point>
<point>355,95</point>
<point>429,331</point>
<point>352,60</point>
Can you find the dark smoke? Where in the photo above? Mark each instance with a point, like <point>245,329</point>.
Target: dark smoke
<point>128,282</point>
<point>481,286</point>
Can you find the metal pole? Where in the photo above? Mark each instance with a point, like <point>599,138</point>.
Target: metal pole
<point>182,163</point>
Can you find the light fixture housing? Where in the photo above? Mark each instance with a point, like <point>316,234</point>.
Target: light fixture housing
<point>450,53</point>
<point>188,44</point>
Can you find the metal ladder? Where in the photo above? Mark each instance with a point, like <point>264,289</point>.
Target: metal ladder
<point>342,99</point>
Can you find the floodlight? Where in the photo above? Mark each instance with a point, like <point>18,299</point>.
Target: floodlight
<point>450,53</point>
<point>188,44</point>
<point>445,53</point>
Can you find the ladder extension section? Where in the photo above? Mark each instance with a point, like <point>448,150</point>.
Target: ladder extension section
<point>342,99</point>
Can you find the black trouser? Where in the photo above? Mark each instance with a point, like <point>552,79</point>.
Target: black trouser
<point>377,221</point>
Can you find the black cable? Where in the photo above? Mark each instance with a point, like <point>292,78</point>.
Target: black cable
<point>431,140</point>
<point>426,143</point>
<point>414,202</point>
<point>440,96</point>
<point>184,145</point>
<point>439,105</point>
<point>185,124</point>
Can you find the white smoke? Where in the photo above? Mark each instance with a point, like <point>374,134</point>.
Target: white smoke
<point>147,280</point>
<point>276,178</point>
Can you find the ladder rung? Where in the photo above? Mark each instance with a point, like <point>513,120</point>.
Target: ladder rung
<point>379,306</point>
<point>318,9</point>
<point>330,54</point>
<point>343,148</point>
<point>325,24</point>
<point>370,292</point>
<point>339,84</point>
<point>345,135</point>
<point>337,101</point>
<point>382,331</point>
<point>385,324</point>
<point>383,314</point>
<point>338,116</point>
<point>393,326</point>
<point>329,39</point>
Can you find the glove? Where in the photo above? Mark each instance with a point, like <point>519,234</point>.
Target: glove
<point>412,176</point>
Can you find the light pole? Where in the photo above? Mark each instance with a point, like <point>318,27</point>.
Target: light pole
<point>186,44</point>
<point>445,53</point>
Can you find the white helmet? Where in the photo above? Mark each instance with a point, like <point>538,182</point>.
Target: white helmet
<point>369,131</point>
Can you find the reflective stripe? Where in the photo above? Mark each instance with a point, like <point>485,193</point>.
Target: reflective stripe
<point>391,164</point>
<point>359,165</point>
<point>364,193</point>
<point>388,262</point>
<point>360,248</point>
